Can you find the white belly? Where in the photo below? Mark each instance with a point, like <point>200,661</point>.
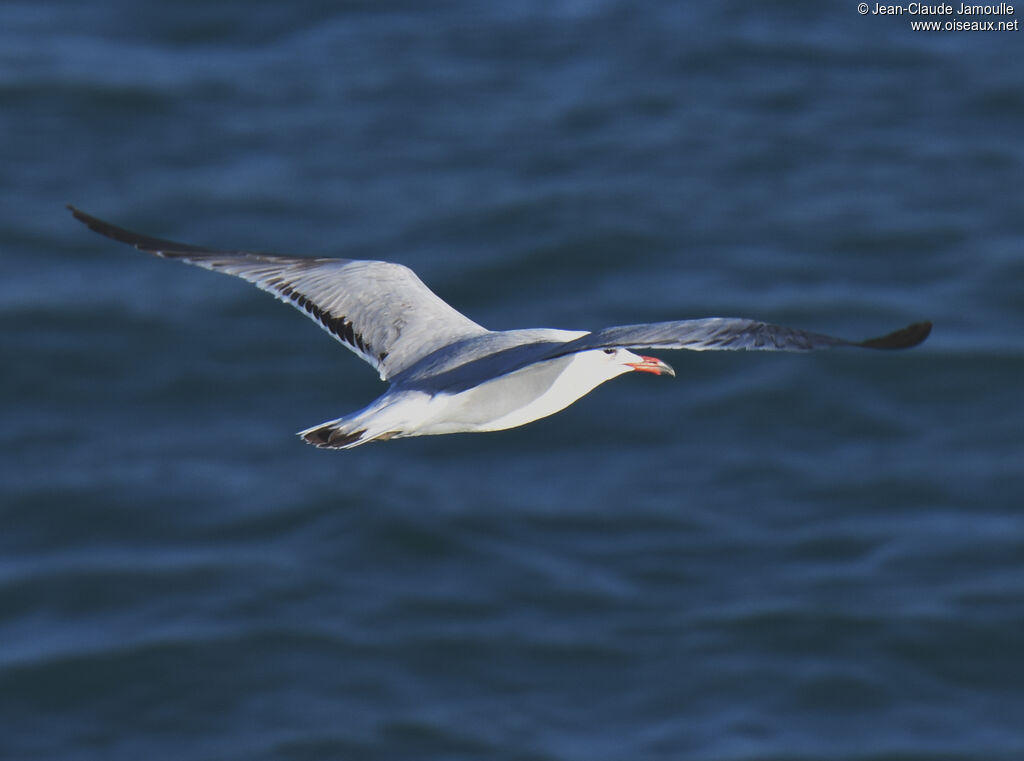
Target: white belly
<point>518,398</point>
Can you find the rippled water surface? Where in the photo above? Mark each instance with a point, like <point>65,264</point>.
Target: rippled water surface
<point>769,557</point>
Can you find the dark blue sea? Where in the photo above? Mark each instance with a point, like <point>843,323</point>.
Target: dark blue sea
<point>770,557</point>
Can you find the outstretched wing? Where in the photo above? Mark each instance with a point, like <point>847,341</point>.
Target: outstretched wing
<point>731,333</point>
<point>381,311</point>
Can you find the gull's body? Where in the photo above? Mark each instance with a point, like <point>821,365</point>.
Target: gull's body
<point>448,374</point>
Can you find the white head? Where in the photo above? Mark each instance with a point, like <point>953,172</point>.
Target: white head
<point>612,362</point>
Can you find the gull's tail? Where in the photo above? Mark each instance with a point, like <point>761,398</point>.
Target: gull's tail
<point>341,434</point>
<point>385,418</point>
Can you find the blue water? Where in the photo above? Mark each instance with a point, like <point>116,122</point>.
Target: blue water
<point>769,557</point>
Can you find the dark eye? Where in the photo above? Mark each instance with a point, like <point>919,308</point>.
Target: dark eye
<point>610,351</point>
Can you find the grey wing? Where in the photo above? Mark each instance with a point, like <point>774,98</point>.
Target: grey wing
<point>733,333</point>
<point>380,310</point>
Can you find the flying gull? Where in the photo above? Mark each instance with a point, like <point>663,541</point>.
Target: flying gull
<point>447,374</point>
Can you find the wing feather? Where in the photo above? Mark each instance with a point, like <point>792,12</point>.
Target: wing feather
<point>732,333</point>
<point>380,310</point>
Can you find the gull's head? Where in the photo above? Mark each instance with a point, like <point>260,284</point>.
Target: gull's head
<point>618,361</point>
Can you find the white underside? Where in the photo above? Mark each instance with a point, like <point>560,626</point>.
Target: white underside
<point>508,401</point>
<point>518,398</point>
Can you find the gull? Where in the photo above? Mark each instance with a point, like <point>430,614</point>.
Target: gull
<point>446,373</point>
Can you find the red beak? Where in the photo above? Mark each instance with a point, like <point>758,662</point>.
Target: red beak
<point>653,365</point>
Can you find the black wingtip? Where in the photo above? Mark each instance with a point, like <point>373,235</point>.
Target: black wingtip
<point>103,228</point>
<point>80,215</point>
<point>909,336</point>
<point>142,242</point>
